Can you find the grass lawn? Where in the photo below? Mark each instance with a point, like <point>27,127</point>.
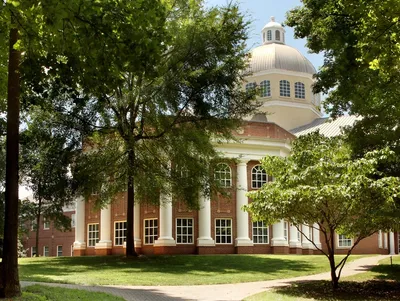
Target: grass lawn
<point>169,270</point>
<point>45,293</point>
<point>381,283</point>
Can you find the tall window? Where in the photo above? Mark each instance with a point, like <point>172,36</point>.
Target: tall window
<point>258,177</point>
<point>46,224</point>
<point>59,251</point>
<point>150,231</point>
<point>184,230</point>
<point>284,88</point>
<point>46,251</point>
<point>260,233</point>
<point>310,233</point>
<point>250,87</point>
<point>119,233</point>
<point>277,35</point>
<point>285,230</point>
<point>93,234</point>
<point>265,88</point>
<point>223,231</point>
<point>299,90</point>
<point>223,175</point>
<point>33,251</point>
<point>269,35</point>
<point>344,241</point>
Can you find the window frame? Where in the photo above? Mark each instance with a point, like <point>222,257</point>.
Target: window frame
<point>153,236</point>
<point>265,88</point>
<point>228,236</point>
<point>45,222</point>
<point>187,227</point>
<point>277,35</point>
<point>269,35</point>
<point>90,240</point>
<point>120,231</point>
<point>257,173</point>
<point>44,251</point>
<point>339,240</point>
<point>32,248</point>
<point>250,87</point>
<point>299,90</point>
<point>284,88</point>
<point>58,251</point>
<point>285,230</point>
<point>256,237</point>
<point>227,171</point>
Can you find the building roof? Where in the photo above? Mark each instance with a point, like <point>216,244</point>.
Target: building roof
<point>279,56</point>
<point>327,126</point>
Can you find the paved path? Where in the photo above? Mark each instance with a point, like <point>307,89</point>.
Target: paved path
<point>219,292</point>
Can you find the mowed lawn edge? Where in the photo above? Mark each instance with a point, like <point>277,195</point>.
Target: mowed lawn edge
<point>170,270</point>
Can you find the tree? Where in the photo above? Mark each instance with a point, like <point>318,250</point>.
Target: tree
<point>162,83</point>
<point>360,41</point>
<point>46,154</point>
<point>319,183</point>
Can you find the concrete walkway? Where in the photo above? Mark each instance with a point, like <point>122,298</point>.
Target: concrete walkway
<point>219,292</point>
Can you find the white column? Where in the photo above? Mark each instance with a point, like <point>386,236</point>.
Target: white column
<point>306,244</point>
<point>79,243</point>
<point>105,229</point>
<point>165,238</point>
<point>391,243</point>
<point>294,241</point>
<point>316,236</point>
<point>205,239</point>
<point>242,217</point>
<point>136,225</point>
<point>278,238</point>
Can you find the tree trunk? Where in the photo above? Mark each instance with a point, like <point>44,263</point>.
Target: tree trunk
<point>130,233</point>
<point>334,278</point>
<point>10,287</point>
<point>38,226</point>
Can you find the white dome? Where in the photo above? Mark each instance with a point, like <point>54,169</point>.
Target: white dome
<point>279,56</point>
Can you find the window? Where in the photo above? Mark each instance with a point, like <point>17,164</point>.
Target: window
<point>344,242</point>
<point>284,88</point>
<point>310,233</point>
<point>299,90</point>
<point>269,35</point>
<point>184,230</point>
<point>119,233</point>
<point>285,230</point>
<point>46,251</point>
<point>46,224</point>
<point>250,87</point>
<point>258,177</point>
<point>265,88</point>
<point>33,251</point>
<point>260,233</point>
<point>298,236</point>
<point>73,220</point>
<point>385,240</point>
<point>380,243</point>
<point>277,35</point>
<point>150,231</point>
<point>93,234</point>
<point>223,231</point>
<point>223,175</point>
<point>59,251</point>
<point>33,225</point>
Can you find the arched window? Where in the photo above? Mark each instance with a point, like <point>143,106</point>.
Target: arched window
<point>250,87</point>
<point>277,35</point>
<point>269,35</point>
<point>299,90</point>
<point>223,175</point>
<point>258,177</point>
<point>284,88</point>
<point>265,88</point>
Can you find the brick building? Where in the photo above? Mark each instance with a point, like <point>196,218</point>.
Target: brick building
<point>289,109</point>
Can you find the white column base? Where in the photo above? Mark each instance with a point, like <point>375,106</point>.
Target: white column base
<point>79,245</point>
<point>104,244</point>
<point>165,242</point>
<point>279,242</point>
<point>307,245</point>
<point>243,242</point>
<point>205,242</point>
<point>319,246</point>
<point>137,243</point>
<point>294,244</point>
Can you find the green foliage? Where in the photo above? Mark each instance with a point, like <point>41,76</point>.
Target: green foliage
<point>360,41</point>
<point>320,183</point>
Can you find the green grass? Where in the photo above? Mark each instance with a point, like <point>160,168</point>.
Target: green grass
<point>170,270</point>
<point>45,293</point>
<point>382,282</point>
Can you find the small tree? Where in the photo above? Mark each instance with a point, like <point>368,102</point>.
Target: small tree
<point>320,184</point>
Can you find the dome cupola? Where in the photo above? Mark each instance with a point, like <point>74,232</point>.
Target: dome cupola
<point>273,32</point>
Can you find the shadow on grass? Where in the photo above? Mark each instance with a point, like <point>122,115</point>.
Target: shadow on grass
<point>348,290</point>
<point>39,268</point>
<point>387,271</point>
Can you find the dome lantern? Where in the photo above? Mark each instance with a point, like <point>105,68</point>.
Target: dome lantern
<point>273,32</point>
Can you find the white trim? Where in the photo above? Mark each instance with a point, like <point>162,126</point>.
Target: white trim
<point>61,251</point>
<point>187,235</point>
<point>91,239</point>
<point>44,224</point>
<point>281,72</point>
<point>343,247</point>
<point>115,237</point>
<point>263,226</point>
<point>155,237</point>
<point>44,251</point>
<point>225,235</point>
<point>295,103</point>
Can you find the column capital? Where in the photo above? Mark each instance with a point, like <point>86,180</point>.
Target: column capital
<point>242,162</point>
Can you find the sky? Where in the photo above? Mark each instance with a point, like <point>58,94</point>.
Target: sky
<point>260,12</point>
